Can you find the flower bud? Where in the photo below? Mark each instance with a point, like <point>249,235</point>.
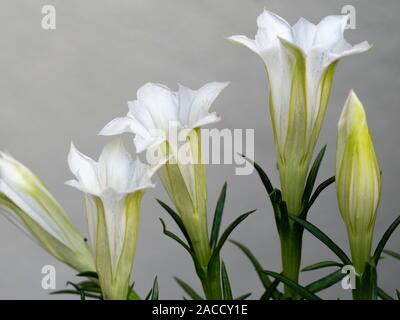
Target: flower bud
<point>358,179</point>
<point>25,201</point>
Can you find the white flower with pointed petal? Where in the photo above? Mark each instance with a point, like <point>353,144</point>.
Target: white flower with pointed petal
<point>114,187</point>
<point>25,201</point>
<point>157,108</point>
<point>300,63</point>
<point>169,121</point>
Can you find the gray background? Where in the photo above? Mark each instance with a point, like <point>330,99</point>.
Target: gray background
<point>63,85</point>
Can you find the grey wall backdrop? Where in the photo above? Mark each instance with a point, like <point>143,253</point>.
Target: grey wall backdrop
<point>63,85</point>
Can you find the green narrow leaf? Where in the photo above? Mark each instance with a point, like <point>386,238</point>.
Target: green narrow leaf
<point>384,240</point>
<point>283,213</point>
<point>321,265</point>
<point>264,177</point>
<point>88,274</point>
<point>383,295</point>
<point>76,287</point>
<point>148,295</point>
<point>215,254</point>
<point>219,210</point>
<point>303,292</point>
<point>392,253</point>
<point>272,192</point>
<point>312,176</point>
<point>154,291</point>
<point>132,295</point>
<point>178,221</point>
<point>398,294</point>
<point>89,295</point>
<point>266,282</point>
<point>323,238</point>
<point>315,195</point>
<point>175,237</point>
<point>326,281</point>
<point>226,286</point>
<point>270,291</point>
<point>130,289</point>
<point>89,286</point>
<point>243,296</point>
<point>371,276</point>
<point>188,289</point>
<point>230,229</point>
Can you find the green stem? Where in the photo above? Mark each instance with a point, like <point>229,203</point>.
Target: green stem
<point>212,287</point>
<point>209,275</point>
<point>293,176</point>
<point>291,243</point>
<point>366,283</point>
<point>198,232</point>
<point>364,288</point>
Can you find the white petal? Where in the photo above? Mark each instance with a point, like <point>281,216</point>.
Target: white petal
<point>160,102</point>
<point>115,166</point>
<point>304,33</point>
<point>142,144</point>
<point>32,209</point>
<point>358,48</point>
<point>142,176</point>
<point>245,41</point>
<point>142,116</point>
<point>85,169</point>
<point>330,31</point>
<point>186,98</point>
<point>342,49</point>
<point>341,46</point>
<point>91,216</point>
<point>146,131</point>
<point>17,221</point>
<point>187,172</point>
<point>279,77</point>
<point>115,217</point>
<point>156,157</point>
<point>274,25</point>
<point>117,126</point>
<point>202,101</point>
<point>210,118</point>
<point>75,184</point>
<point>15,173</point>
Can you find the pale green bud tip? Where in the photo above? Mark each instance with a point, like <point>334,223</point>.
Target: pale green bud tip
<point>15,173</point>
<point>353,116</point>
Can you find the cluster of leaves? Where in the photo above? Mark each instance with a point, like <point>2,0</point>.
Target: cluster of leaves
<point>283,219</point>
<point>90,288</point>
<point>370,272</point>
<point>216,269</point>
<point>286,222</point>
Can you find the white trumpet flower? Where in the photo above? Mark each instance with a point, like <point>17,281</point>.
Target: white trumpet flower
<point>25,201</point>
<point>300,63</point>
<point>113,189</point>
<point>358,179</point>
<point>169,122</point>
<point>158,109</point>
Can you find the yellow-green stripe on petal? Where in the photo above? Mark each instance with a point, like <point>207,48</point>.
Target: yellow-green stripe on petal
<point>25,201</point>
